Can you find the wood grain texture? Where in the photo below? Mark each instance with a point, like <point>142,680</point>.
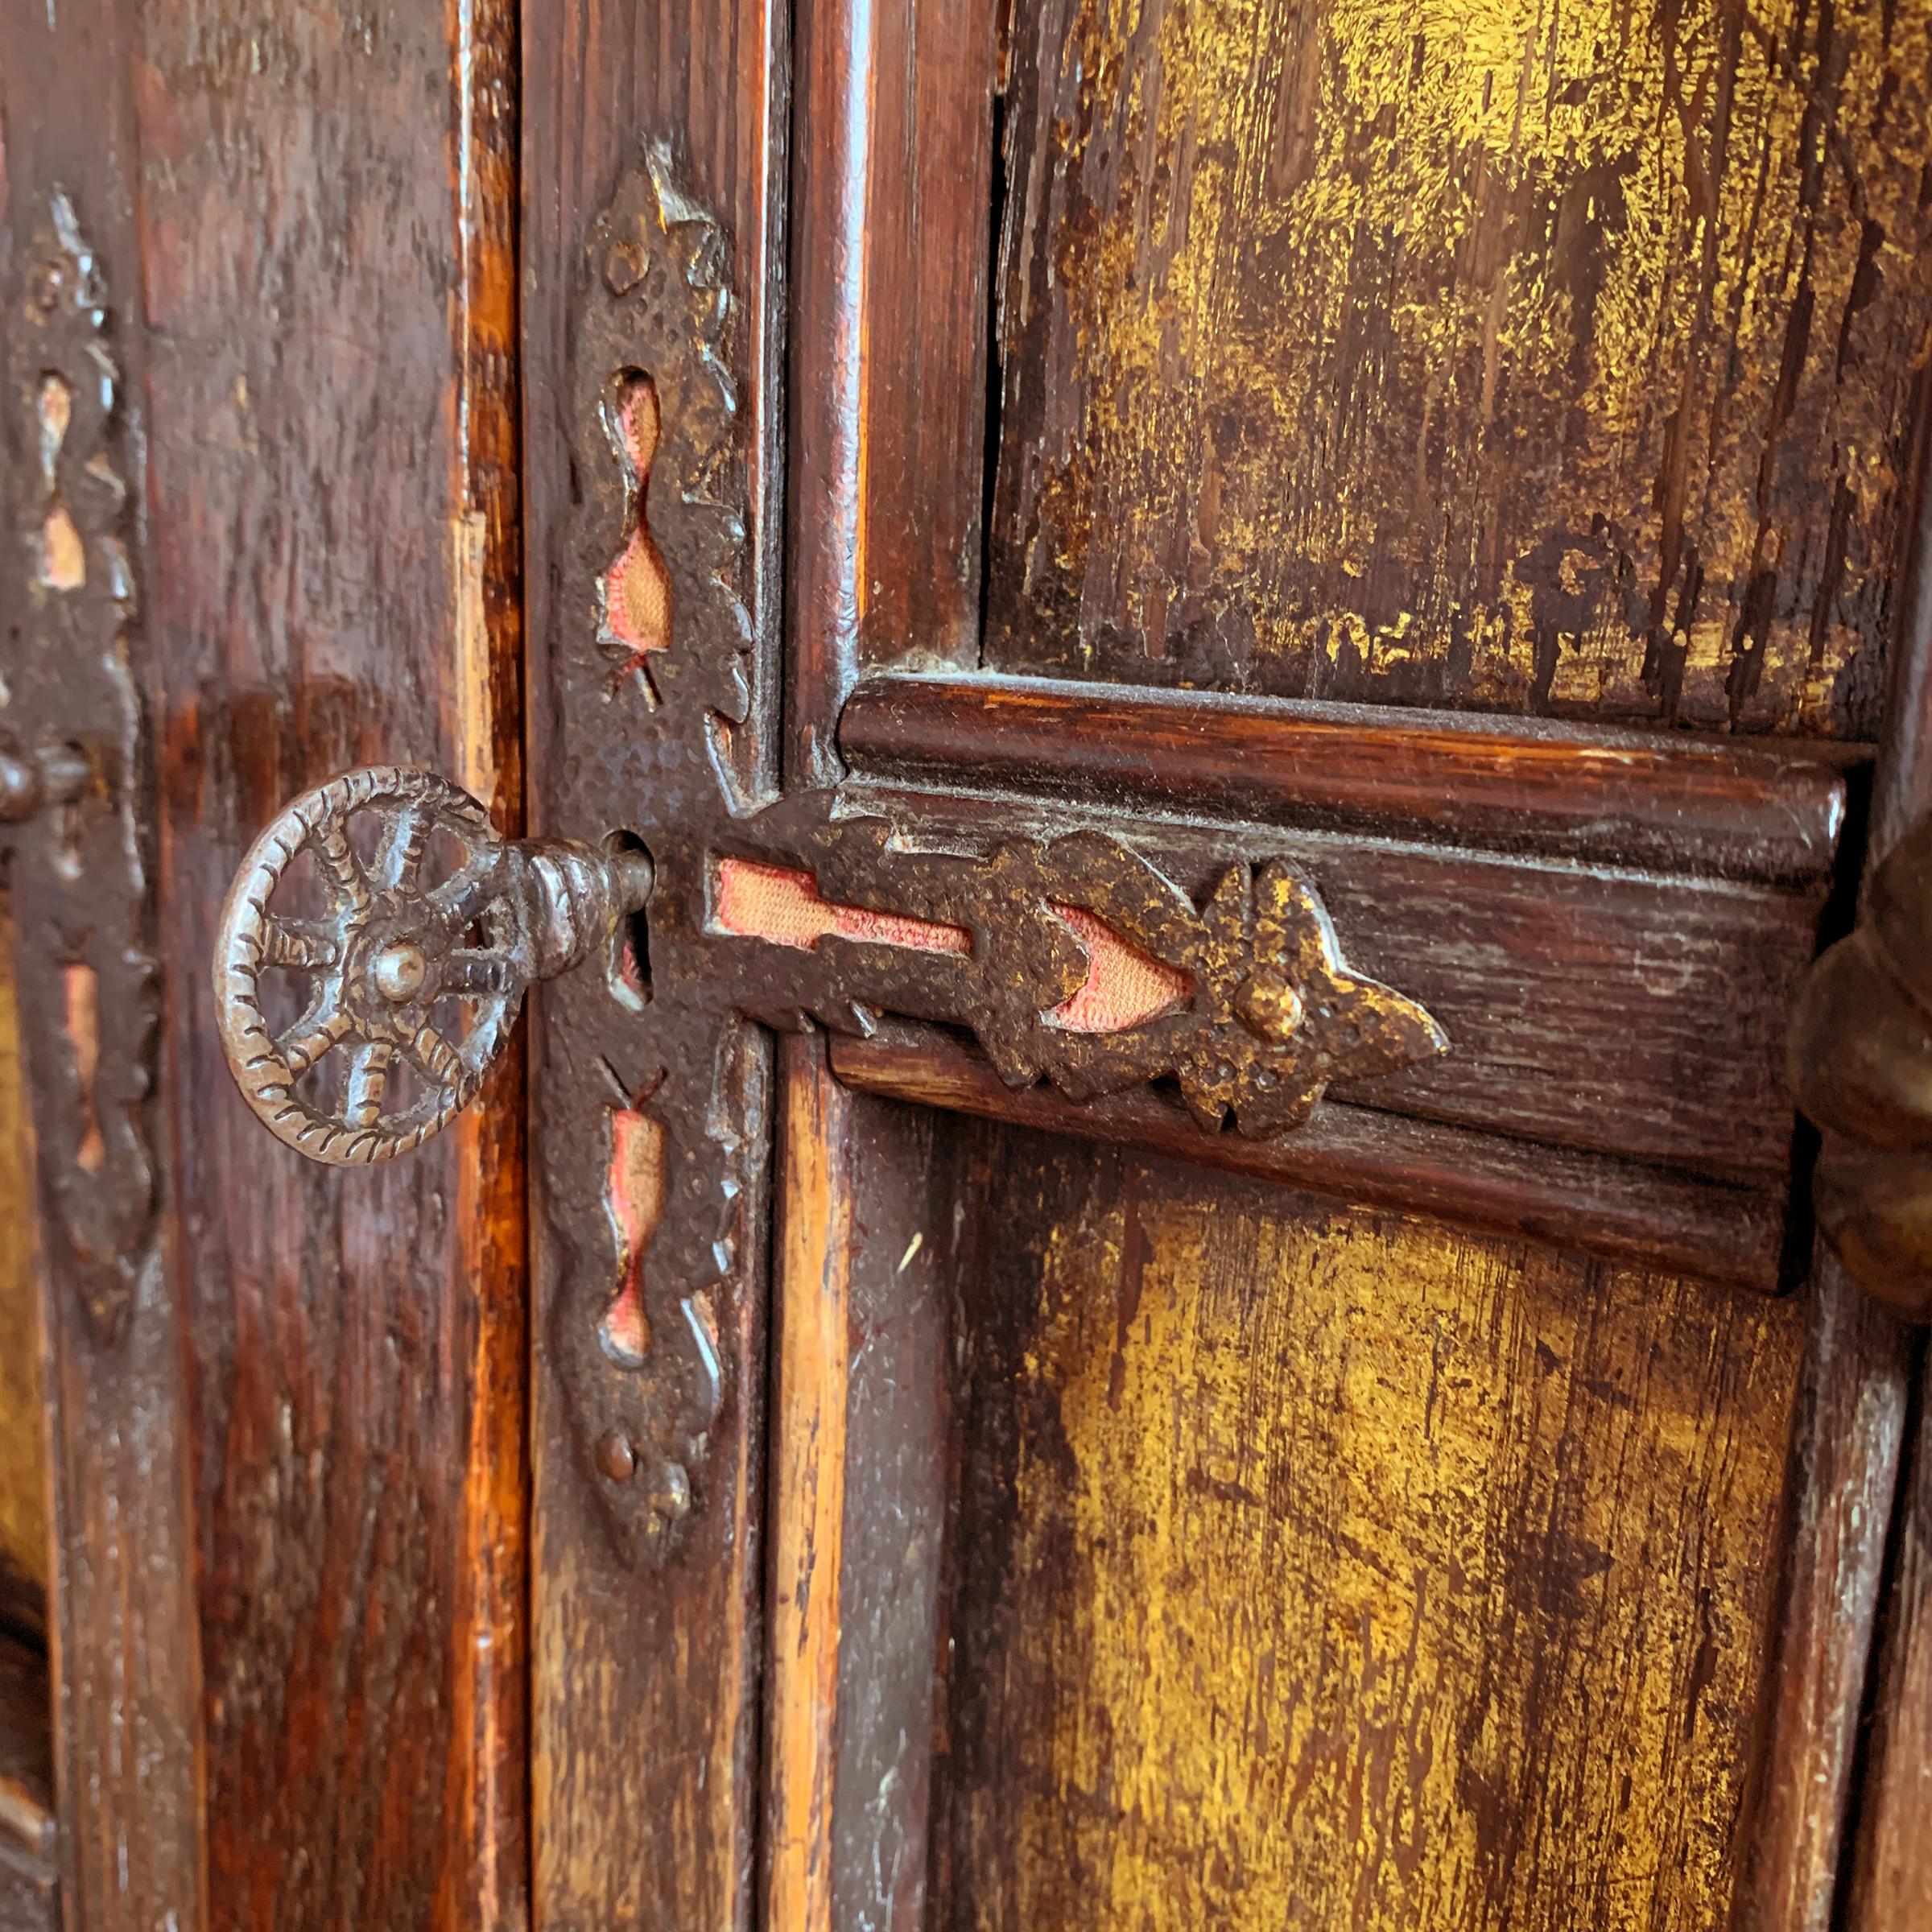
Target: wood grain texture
<point>1891,1870</point>
<point>1519,358</point>
<point>892,191</point>
<point>891,225</point>
<point>1617,798</point>
<point>645,1695</point>
<point>23,1427</point>
<point>1620,1211</point>
<point>487,1884</point>
<point>809,1406</point>
<point>1854,1421</point>
<point>1890,1867</point>
<point>1328,1570</point>
<point>860,1449</point>
<point>122,1627</point>
<point>1611,1010</point>
<point>327,281</point>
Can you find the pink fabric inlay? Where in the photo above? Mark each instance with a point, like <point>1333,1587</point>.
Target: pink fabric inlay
<point>781,904</point>
<point>637,588</point>
<point>1124,987</point>
<point>635,1198</point>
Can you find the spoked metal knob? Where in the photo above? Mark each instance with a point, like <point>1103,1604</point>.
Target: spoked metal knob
<point>401,985</point>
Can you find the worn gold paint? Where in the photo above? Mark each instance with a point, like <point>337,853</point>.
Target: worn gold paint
<point>1496,352</point>
<point>22,1474</point>
<point>1364,1575</point>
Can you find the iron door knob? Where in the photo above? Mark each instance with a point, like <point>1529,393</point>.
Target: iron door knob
<point>376,945</point>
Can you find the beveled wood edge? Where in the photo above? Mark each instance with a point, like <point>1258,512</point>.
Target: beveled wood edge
<point>1619,1211</point>
<point>1753,812</point>
<point>805,1474</point>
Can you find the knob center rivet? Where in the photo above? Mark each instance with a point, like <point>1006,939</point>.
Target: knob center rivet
<point>399,971</point>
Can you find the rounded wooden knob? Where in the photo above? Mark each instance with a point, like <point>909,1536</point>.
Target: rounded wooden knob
<point>1860,1065</point>
<point>374,949</point>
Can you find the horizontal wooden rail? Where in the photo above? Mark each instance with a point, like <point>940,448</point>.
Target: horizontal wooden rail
<point>1714,808</point>
<point>1610,927</point>
<point>1623,1211</point>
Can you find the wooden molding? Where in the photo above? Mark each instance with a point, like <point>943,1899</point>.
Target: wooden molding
<point>1624,1211</point>
<point>1721,808</point>
<point>1610,927</point>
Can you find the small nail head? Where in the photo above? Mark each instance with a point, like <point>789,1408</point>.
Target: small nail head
<point>616,1459</point>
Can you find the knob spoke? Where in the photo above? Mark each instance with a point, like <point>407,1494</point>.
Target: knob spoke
<point>401,861</point>
<point>306,1042</point>
<point>368,1078</point>
<point>459,899</point>
<point>434,1057</point>
<point>342,868</point>
<point>298,942</point>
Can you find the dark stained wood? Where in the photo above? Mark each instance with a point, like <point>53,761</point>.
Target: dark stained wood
<point>897,1451</point>
<point>332,526</point>
<point>1595,1005</point>
<point>28,1831</point>
<point>1320,1568</point>
<point>23,1540</point>
<point>859,1455</point>
<point>483,1875</point>
<point>645,1692</point>
<point>1891,1866</point>
<point>892,189</point>
<point>1891,1872</point>
<point>1616,1209</point>
<point>1507,365</point>
<point>1854,1420</point>
<point>121,1625</point>
<point>1431,458</point>
<point>1613,1010</point>
<point>1616,797</point>
<point>891,244</point>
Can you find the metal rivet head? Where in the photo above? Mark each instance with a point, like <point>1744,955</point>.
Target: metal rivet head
<point>399,971</point>
<point>616,1460</point>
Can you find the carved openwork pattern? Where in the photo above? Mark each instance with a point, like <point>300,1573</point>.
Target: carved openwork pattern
<point>1076,960</point>
<point>653,1093</point>
<point>70,727</point>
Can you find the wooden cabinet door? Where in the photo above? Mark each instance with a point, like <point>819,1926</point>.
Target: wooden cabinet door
<point>1471,456</point>
<point>1164,1280</point>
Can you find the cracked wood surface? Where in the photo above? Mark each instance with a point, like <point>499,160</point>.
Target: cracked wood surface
<point>1514,357</point>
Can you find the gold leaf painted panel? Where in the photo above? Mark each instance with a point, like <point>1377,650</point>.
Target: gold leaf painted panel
<point>1500,353</point>
<point>1324,1570</point>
